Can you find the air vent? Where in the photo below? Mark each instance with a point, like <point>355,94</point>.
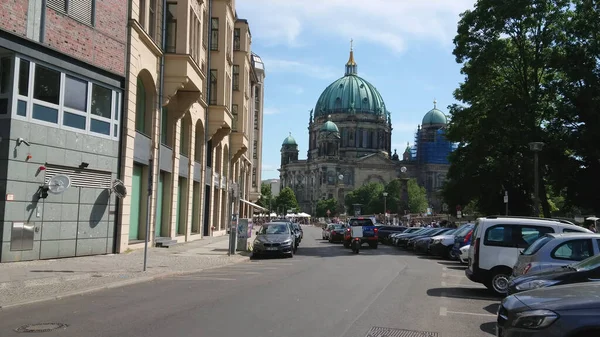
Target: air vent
<point>80,177</point>
<point>59,5</point>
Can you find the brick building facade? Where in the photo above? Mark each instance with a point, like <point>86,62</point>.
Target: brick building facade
<point>62,74</point>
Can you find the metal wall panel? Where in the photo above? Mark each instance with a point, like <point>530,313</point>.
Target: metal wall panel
<point>21,237</point>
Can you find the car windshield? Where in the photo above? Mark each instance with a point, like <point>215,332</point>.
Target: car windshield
<point>361,222</point>
<point>537,245</point>
<point>450,232</point>
<point>274,229</point>
<point>587,264</point>
<point>464,230</point>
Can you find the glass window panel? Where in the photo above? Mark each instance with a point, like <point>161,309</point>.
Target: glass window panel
<point>45,113</point>
<point>5,79</point>
<point>3,106</point>
<point>46,85</point>
<point>100,127</point>
<point>101,101</point>
<point>75,93</point>
<point>24,78</point>
<point>73,120</point>
<point>117,112</point>
<point>115,130</point>
<point>22,108</point>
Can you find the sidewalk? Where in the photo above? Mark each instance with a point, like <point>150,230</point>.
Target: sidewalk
<point>36,281</point>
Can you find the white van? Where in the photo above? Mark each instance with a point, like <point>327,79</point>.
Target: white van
<point>498,241</point>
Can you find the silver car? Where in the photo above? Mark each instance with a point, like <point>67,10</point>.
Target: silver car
<point>555,250</point>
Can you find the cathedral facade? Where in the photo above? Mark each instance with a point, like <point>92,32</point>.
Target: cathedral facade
<point>350,137</point>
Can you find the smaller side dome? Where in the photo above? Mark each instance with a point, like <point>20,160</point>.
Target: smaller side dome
<point>434,116</point>
<point>330,126</point>
<point>289,140</point>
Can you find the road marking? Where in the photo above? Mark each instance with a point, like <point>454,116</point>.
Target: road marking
<point>232,272</point>
<point>444,284</point>
<point>203,278</point>
<point>444,312</point>
<point>452,275</point>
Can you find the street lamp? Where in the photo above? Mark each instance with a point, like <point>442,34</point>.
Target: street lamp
<point>536,147</point>
<point>385,194</point>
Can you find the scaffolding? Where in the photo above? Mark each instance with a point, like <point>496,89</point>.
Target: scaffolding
<point>432,147</point>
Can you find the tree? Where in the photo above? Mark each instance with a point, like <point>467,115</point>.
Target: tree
<point>505,49</point>
<point>287,200</point>
<point>574,170</point>
<point>327,204</point>
<point>266,199</point>
<point>417,197</point>
<point>369,196</point>
<point>394,201</point>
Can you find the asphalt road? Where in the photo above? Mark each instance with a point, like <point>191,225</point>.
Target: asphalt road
<point>325,290</point>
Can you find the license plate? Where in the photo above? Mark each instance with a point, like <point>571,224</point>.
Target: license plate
<point>271,248</point>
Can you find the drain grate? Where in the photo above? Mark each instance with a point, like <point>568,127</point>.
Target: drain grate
<point>377,331</point>
<point>41,327</point>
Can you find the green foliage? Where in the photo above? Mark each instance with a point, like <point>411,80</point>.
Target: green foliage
<point>370,197</point>
<point>531,74</point>
<point>287,200</point>
<point>327,204</point>
<point>417,197</point>
<point>266,199</point>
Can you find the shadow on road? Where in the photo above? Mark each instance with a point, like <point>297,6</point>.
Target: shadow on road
<point>333,250</point>
<point>489,327</point>
<point>460,267</point>
<point>465,293</point>
<point>492,308</point>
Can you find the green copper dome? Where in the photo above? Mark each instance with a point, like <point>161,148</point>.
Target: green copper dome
<point>330,126</point>
<point>289,140</point>
<point>350,94</point>
<point>434,116</point>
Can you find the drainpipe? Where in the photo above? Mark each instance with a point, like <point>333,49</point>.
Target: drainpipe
<point>206,135</point>
<point>122,118</point>
<point>160,95</point>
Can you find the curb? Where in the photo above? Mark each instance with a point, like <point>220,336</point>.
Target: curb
<point>118,284</point>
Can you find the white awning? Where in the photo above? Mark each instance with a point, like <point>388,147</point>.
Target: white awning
<point>253,205</point>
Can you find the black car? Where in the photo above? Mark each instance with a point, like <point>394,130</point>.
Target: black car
<point>275,238</point>
<point>385,231</point>
<point>337,233</point>
<point>402,242</point>
<point>587,270</point>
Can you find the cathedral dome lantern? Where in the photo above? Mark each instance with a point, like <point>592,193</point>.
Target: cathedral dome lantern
<point>289,150</point>
<point>330,126</point>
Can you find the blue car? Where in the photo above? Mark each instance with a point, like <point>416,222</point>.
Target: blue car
<point>462,238</point>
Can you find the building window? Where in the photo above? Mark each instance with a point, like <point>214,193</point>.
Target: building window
<point>80,10</point>
<point>255,150</point>
<point>213,87</point>
<point>236,77</point>
<point>254,177</point>
<point>204,28</point>
<point>234,113</point>
<point>171,38</point>
<point>236,39</point>
<point>65,101</point>
<point>214,34</point>
<point>152,19</point>
<point>140,108</point>
<point>255,120</point>
<point>5,83</point>
<point>142,13</point>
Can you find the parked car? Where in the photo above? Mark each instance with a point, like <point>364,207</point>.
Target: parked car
<point>326,230</point>
<point>462,239</point>
<point>386,231</point>
<point>570,310</point>
<point>556,250</point>
<point>392,239</point>
<point>587,270</point>
<point>403,240</point>
<point>463,256</point>
<point>275,238</point>
<point>421,245</point>
<point>442,244</point>
<point>497,241</point>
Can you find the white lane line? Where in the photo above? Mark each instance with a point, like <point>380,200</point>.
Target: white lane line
<point>445,285</point>
<point>443,311</point>
<point>199,278</point>
<point>452,275</point>
<point>232,272</point>
<point>256,268</point>
<point>469,313</point>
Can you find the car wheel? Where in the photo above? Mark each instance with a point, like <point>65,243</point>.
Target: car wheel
<point>452,254</point>
<point>499,282</point>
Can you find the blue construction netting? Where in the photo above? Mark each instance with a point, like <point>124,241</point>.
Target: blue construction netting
<point>432,151</point>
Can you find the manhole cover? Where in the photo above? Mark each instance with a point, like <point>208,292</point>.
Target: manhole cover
<point>391,332</point>
<point>41,327</point>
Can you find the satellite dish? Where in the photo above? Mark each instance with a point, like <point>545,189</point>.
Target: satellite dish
<point>403,169</point>
<point>119,189</point>
<point>59,183</point>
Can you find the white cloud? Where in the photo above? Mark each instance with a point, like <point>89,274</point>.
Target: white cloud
<point>270,111</point>
<point>385,22</point>
<point>287,66</point>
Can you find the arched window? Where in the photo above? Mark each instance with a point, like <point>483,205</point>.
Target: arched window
<point>140,108</point>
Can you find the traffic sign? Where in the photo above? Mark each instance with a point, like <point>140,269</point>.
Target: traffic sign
<point>458,208</point>
<point>459,214</point>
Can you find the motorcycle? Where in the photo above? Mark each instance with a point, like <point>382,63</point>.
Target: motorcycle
<point>355,245</point>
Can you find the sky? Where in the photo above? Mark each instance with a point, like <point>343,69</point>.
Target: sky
<point>402,47</point>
